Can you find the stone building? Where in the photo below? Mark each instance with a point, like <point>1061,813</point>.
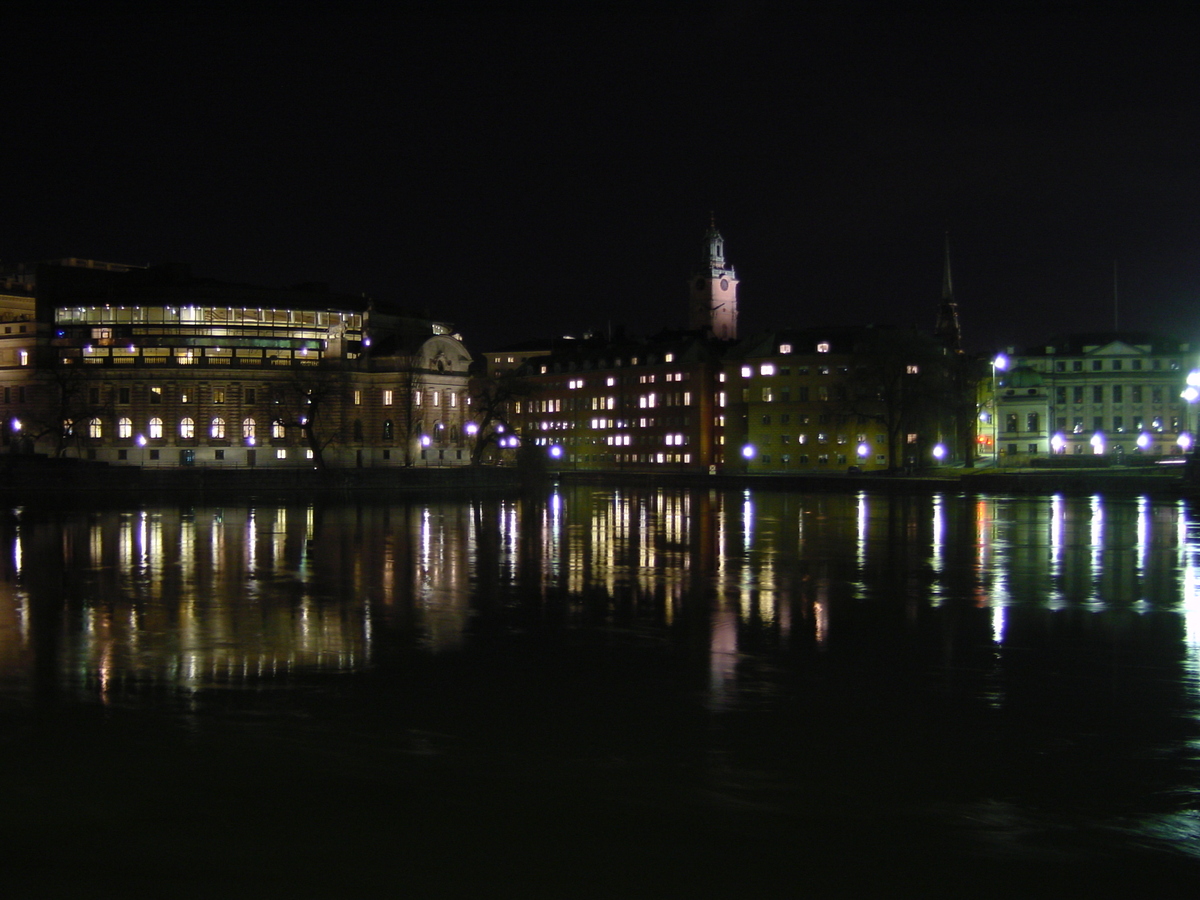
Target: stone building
<point>154,367</point>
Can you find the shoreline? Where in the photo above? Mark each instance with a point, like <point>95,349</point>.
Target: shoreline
<point>22,477</point>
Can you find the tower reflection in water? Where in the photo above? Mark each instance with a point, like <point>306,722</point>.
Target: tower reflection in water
<point>120,599</point>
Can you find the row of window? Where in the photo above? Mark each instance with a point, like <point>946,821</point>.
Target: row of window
<point>1135,423</point>
<point>218,429</point>
<point>1115,365</point>
<point>1137,393</point>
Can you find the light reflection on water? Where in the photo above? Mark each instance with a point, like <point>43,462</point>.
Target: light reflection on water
<point>1050,604</point>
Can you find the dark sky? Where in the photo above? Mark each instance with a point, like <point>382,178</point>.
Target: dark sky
<point>524,174</point>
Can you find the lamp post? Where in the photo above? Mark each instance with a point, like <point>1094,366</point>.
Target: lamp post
<point>1000,361</point>
<point>1190,395</point>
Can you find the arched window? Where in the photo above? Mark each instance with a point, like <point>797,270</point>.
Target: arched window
<point>248,429</point>
<point>277,429</point>
<point>95,429</point>
<point>388,432</point>
<point>156,429</point>
<point>187,429</point>
<point>68,427</point>
<point>217,429</point>
<point>124,427</point>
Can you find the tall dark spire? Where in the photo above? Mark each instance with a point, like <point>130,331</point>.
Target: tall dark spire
<point>947,329</point>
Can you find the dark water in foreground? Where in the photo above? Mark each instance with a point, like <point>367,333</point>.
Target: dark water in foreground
<point>617,693</point>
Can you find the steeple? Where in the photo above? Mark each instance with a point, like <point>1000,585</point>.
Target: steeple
<point>713,307</point>
<point>947,329</point>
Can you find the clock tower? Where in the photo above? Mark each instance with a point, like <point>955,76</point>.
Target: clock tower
<point>714,292</point>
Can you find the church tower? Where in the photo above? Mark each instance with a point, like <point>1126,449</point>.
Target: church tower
<point>714,292</point>
<point>946,329</point>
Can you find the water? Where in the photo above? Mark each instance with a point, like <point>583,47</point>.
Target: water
<point>604,693</point>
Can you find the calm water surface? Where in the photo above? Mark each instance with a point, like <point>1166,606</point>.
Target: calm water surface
<point>604,693</point>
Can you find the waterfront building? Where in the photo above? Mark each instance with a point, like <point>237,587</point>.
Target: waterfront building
<point>153,367</point>
<point>1110,394</point>
<point>792,402</point>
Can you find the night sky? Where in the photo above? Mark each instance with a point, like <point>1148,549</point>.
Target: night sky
<point>525,174</point>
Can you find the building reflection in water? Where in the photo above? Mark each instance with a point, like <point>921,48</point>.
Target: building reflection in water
<point>191,597</point>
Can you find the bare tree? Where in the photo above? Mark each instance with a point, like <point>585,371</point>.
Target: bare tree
<point>64,415</point>
<point>901,379</point>
<point>492,401</point>
<point>310,399</point>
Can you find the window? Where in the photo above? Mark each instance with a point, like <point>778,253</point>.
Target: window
<point>1097,365</point>
<point>1010,422</point>
<point>185,396</point>
<point>1156,394</point>
<point>218,455</point>
<point>1077,394</point>
<point>23,357</point>
<point>1097,423</point>
<point>95,429</point>
<point>1118,423</point>
<point>250,396</point>
<point>416,400</point>
<point>766,369</point>
<point>278,431</point>
<point>358,398</point>
<point>1031,422</point>
<point>387,398</point>
<point>124,427</point>
<point>1116,365</point>
<point>187,429</point>
<point>912,370</point>
<point>1118,394</point>
<point>281,453</point>
<point>217,428</point>
<point>156,395</point>
<point>248,429</point>
<point>747,371</point>
<point>785,348</point>
<point>766,395</point>
<point>156,429</point>
<point>123,395</point>
<point>1136,365</point>
<point>1097,394</point>
<point>1060,396</point>
<point>1077,427</point>
<point>1077,365</point>
<point>388,431</point>
<point>94,396</point>
<point>766,420</point>
<point>823,347</point>
<point>1135,392</point>
<point>218,395</point>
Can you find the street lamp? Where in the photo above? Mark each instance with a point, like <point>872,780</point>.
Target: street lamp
<point>1000,361</point>
<point>939,453</point>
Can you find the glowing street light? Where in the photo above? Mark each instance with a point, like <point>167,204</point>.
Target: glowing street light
<point>1097,443</point>
<point>999,362</point>
<point>939,452</point>
<point>1144,440</point>
<point>556,451</point>
<point>863,450</point>
<point>748,452</point>
<point>1058,443</point>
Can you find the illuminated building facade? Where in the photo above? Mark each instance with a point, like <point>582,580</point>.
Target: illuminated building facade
<point>625,405</point>
<point>1109,394</point>
<point>152,367</point>
<point>791,405</point>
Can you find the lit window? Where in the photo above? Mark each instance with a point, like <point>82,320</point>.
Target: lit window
<point>124,428</point>
<point>217,430</point>
<point>156,429</point>
<point>785,348</point>
<point>823,347</point>
<point>23,357</point>
<point>669,357</point>
<point>248,429</point>
<point>187,429</point>
<point>218,395</point>
<point>436,398</point>
<point>387,398</point>
<point>277,429</point>
<point>281,453</point>
<point>766,369</point>
<point>416,401</point>
<point>95,429</point>
<point>358,398</point>
<point>912,370</point>
<point>747,371</point>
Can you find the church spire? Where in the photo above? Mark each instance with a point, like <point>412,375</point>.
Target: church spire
<point>947,329</point>
<point>713,308</point>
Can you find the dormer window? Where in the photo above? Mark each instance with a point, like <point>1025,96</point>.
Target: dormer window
<point>823,347</point>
